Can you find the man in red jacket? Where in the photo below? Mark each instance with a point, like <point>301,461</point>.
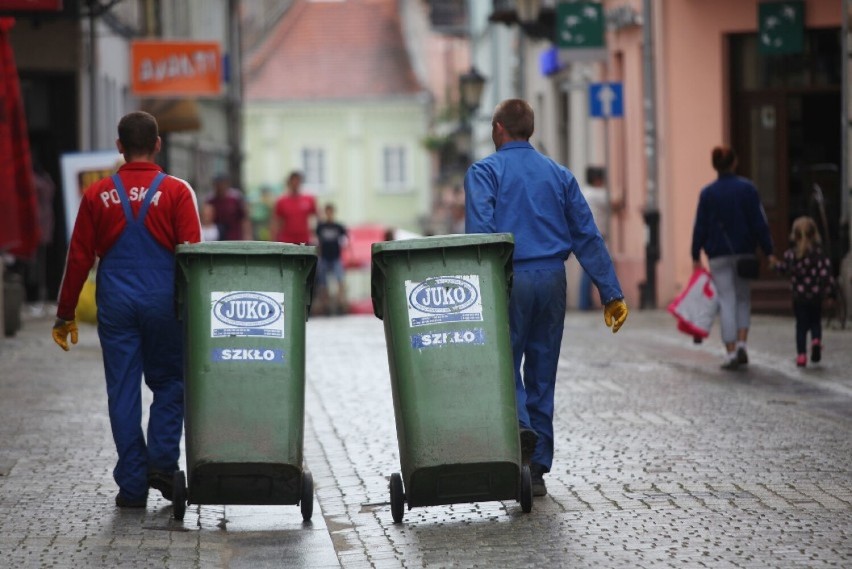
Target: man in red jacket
<point>132,222</point>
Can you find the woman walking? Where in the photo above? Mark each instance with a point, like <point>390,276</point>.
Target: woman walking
<point>729,224</point>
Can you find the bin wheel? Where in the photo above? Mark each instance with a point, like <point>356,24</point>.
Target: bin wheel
<point>397,497</point>
<point>179,495</point>
<point>307,498</point>
<point>526,489</point>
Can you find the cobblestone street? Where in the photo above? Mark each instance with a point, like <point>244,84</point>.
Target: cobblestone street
<point>662,460</point>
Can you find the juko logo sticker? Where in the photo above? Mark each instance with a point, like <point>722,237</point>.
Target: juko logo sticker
<point>444,299</point>
<point>247,313</point>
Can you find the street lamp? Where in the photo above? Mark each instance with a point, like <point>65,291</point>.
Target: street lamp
<point>470,90</point>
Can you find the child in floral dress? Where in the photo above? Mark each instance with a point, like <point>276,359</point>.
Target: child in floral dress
<point>811,281</point>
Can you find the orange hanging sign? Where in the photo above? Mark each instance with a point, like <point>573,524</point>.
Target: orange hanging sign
<point>175,68</point>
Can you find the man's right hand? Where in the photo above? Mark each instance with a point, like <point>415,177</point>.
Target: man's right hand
<point>61,330</point>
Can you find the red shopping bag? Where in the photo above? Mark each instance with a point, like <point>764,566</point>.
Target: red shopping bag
<point>695,308</point>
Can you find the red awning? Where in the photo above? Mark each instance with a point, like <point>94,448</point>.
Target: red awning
<point>19,229</point>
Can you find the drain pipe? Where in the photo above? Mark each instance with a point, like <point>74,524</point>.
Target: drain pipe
<point>651,214</point>
<point>846,160</point>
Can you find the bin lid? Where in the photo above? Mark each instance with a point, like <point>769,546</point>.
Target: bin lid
<point>245,248</point>
<point>443,242</point>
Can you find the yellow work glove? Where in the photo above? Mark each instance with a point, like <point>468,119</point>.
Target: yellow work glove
<point>61,329</point>
<point>615,313</point>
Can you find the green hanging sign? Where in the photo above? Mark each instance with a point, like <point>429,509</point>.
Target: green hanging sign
<point>580,25</point>
<point>781,27</point>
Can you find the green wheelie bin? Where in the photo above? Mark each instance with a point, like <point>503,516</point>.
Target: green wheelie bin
<point>244,305</point>
<point>444,302</point>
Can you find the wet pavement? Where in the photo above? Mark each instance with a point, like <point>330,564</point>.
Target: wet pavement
<point>662,460</point>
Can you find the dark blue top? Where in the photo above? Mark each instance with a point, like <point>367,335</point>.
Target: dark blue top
<point>730,207</point>
<point>518,190</point>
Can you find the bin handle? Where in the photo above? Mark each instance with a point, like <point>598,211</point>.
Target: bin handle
<point>178,297</point>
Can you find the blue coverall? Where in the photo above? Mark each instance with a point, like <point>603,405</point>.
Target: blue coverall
<point>140,333</point>
<point>520,191</point>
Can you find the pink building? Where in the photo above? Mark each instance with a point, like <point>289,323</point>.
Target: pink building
<point>781,112</point>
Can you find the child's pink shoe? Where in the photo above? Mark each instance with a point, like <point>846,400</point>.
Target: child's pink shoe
<point>816,350</point>
<point>802,360</point>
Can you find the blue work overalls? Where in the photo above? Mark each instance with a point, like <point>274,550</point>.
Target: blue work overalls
<point>140,333</point>
<point>536,322</point>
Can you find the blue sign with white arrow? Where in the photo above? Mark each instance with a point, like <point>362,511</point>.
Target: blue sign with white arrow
<point>606,100</point>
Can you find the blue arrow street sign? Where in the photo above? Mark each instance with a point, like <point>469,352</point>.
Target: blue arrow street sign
<point>606,100</point>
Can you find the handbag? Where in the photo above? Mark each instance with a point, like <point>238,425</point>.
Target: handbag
<point>748,267</point>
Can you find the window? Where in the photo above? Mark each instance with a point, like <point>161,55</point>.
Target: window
<point>313,167</point>
<point>394,168</point>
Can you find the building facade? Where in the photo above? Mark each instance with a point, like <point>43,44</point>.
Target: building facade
<point>711,82</point>
<point>332,93</point>
<point>74,65</point>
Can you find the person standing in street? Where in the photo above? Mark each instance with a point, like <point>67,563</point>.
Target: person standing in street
<point>520,191</point>
<point>230,214</point>
<point>331,237</point>
<point>132,223</point>
<point>729,224</point>
<point>291,222</point>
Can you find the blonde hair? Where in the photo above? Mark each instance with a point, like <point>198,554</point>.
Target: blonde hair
<point>804,235</point>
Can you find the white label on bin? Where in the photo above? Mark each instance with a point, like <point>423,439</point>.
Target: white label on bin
<point>444,299</point>
<point>438,339</point>
<point>251,355</point>
<point>247,313</point>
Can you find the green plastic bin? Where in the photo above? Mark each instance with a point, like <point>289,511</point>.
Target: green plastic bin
<point>244,305</point>
<point>444,302</point>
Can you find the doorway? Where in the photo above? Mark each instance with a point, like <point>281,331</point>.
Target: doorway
<point>786,126</point>
<point>51,108</point>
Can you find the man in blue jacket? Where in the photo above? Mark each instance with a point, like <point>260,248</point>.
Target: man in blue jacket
<point>520,191</point>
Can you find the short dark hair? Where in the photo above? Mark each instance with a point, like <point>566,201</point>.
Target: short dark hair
<point>724,158</point>
<point>138,133</point>
<point>516,116</point>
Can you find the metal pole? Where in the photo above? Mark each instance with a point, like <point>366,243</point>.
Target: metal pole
<point>652,211</point>
<point>235,93</point>
<point>93,80</point>
<point>846,162</point>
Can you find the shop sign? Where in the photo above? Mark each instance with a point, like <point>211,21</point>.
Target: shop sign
<point>175,68</point>
<point>580,25</point>
<point>30,5</point>
<point>781,27</point>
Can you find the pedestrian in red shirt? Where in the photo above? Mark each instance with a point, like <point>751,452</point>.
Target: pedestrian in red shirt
<point>293,213</point>
<point>132,223</point>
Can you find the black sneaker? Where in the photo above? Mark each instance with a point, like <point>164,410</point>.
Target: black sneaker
<point>742,356</point>
<point>816,351</point>
<point>731,365</point>
<point>529,438</point>
<point>123,502</point>
<point>537,477</point>
<point>162,481</point>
